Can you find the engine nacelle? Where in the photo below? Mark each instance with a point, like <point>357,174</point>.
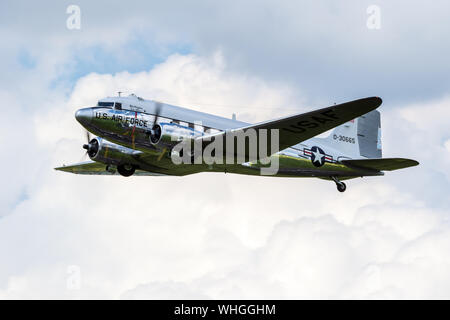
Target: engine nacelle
<point>109,153</point>
<point>167,135</point>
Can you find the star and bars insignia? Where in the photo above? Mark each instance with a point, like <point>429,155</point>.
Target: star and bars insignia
<point>318,156</point>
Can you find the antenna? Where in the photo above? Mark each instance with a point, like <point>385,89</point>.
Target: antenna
<point>119,93</point>
<point>233,117</point>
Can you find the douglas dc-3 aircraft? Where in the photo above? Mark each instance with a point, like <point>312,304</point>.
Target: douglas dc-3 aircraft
<point>139,137</point>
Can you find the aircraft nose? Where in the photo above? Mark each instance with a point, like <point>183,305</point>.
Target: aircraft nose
<point>84,115</point>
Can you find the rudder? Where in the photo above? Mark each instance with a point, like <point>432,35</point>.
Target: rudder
<point>360,137</point>
<point>369,135</point>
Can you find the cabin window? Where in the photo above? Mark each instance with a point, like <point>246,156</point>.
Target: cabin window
<point>105,104</point>
<point>118,106</point>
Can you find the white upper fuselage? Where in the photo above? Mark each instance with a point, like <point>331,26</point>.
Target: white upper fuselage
<point>202,122</point>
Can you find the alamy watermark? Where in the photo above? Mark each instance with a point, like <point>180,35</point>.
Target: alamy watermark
<point>73,281</point>
<point>248,147</point>
<point>73,22</point>
<point>374,19</point>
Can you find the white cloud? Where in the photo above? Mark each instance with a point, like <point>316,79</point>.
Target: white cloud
<point>425,129</point>
<point>163,290</point>
<point>197,82</point>
<point>323,47</point>
<point>215,235</point>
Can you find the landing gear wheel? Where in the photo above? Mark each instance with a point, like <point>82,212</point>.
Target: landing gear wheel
<point>341,186</point>
<point>126,170</point>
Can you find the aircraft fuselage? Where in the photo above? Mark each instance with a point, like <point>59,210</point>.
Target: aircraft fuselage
<point>131,130</point>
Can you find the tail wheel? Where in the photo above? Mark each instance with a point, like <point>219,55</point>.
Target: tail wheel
<point>126,170</point>
<point>341,186</point>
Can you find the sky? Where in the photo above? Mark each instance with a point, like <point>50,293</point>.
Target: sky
<point>211,235</point>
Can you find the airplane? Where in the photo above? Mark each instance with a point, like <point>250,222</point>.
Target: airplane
<point>139,137</point>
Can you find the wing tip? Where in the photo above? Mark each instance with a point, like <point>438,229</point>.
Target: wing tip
<point>377,101</point>
<point>414,162</point>
<point>65,168</point>
<point>410,162</point>
<point>365,105</point>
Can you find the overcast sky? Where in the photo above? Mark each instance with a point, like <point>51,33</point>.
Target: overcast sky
<point>217,235</point>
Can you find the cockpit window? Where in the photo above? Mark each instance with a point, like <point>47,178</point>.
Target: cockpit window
<point>118,106</point>
<point>105,104</point>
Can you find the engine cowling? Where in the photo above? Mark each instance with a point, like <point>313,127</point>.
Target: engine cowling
<point>167,135</point>
<point>109,153</point>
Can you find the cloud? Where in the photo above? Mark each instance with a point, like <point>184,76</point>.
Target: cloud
<point>323,48</point>
<point>201,83</point>
<point>167,290</point>
<point>320,257</point>
<point>215,235</point>
<point>52,234</point>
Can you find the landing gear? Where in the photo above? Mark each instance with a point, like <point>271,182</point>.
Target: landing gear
<point>339,184</point>
<point>341,187</point>
<point>126,170</point>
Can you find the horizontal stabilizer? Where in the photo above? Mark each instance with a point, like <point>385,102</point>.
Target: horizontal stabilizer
<point>386,164</point>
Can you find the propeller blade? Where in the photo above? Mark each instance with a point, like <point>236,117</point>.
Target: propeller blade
<point>86,146</point>
<point>158,107</point>
<point>88,137</point>
<point>83,157</point>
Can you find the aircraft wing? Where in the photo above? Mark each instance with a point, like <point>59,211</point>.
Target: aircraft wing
<point>300,127</point>
<point>97,168</point>
<point>386,164</point>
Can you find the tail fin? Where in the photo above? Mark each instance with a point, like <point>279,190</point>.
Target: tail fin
<point>360,137</point>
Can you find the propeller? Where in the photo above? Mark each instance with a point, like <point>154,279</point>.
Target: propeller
<point>88,136</point>
<point>158,108</point>
<point>91,146</point>
<point>155,131</point>
<point>88,139</point>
